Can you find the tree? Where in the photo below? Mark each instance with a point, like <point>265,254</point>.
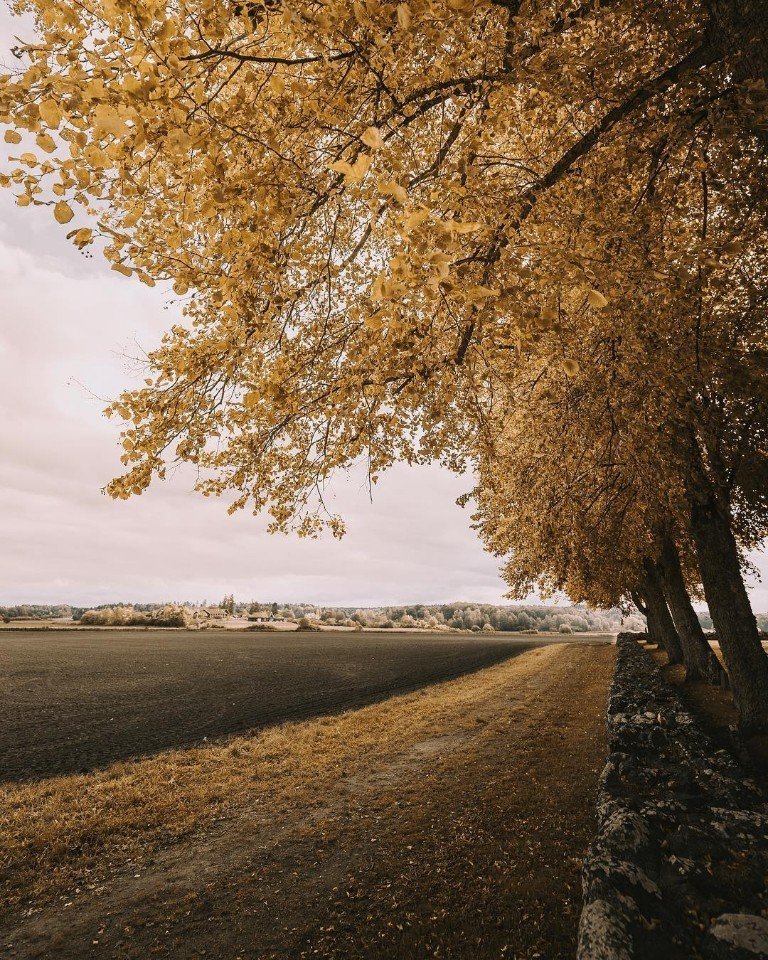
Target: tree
<point>699,658</point>
<point>660,623</point>
<point>374,213</point>
<point>577,487</point>
<point>351,199</point>
<point>228,604</point>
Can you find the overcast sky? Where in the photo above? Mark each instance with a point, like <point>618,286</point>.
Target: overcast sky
<point>70,326</point>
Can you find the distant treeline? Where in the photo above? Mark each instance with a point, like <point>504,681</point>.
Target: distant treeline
<point>458,616</point>
<point>63,611</point>
<point>474,616</point>
<point>35,611</point>
<point>169,615</point>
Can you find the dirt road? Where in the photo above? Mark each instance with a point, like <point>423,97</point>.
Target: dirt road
<point>445,823</point>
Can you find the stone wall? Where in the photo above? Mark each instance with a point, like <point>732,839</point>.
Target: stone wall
<point>679,866</point>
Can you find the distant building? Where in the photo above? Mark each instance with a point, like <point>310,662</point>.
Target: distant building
<point>214,613</point>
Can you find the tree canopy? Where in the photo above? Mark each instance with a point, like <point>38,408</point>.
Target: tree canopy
<point>526,234</point>
<point>366,208</point>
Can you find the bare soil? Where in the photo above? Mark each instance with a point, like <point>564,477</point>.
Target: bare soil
<point>448,822</point>
<point>71,701</point>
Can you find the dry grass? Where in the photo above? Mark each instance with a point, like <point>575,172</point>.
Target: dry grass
<point>58,829</point>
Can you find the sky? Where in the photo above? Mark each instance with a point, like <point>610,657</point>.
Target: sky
<point>71,331</point>
<point>70,334</point>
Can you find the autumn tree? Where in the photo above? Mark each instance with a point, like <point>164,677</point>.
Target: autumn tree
<point>228,604</point>
<point>587,471</point>
<point>649,597</point>
<point>658,407</point>
<point>699,658</point>
<point>369,211</point>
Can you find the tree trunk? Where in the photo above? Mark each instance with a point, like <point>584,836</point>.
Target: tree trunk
<point>729,607</point>
<point>643,608</point>
<point>660,618</point>
<point>651,627</point>
<point>699,658</point>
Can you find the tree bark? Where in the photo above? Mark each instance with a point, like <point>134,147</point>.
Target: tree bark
<point>699,658</point>
<point>653,629</point>
<point>729,607</point>
<point>642,606</point>
<point>659,616</point>
<point>639,602</point>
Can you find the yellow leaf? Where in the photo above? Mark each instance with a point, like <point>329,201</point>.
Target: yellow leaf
<point>372,138</point>
<point>377,291</point>
<point>83,237</point>
<point>416,219</point>
<point>570,368</point>
<point>342,167</point>
<point>393,189</point>
<point>63,212</point>
<point>480,293</point>
<point>107,120</point>
<point>353,173</point>
<point>50,114</point>
<point>132,84</point>
<point>12,136</point>
<point>468,227</point>
<point>251,398</point>
<point>94,89</point>
<point>121,268</point>
<point>404,15</point>
<point>23,200</point>
<point>180,287</point>
<point>362,165</point>
<point>596,299</point>
<point>45,142</point>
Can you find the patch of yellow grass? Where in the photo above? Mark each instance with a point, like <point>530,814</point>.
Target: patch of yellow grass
<point>55,829</point>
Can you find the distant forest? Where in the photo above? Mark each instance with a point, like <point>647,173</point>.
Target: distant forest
<point>460,616</point>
